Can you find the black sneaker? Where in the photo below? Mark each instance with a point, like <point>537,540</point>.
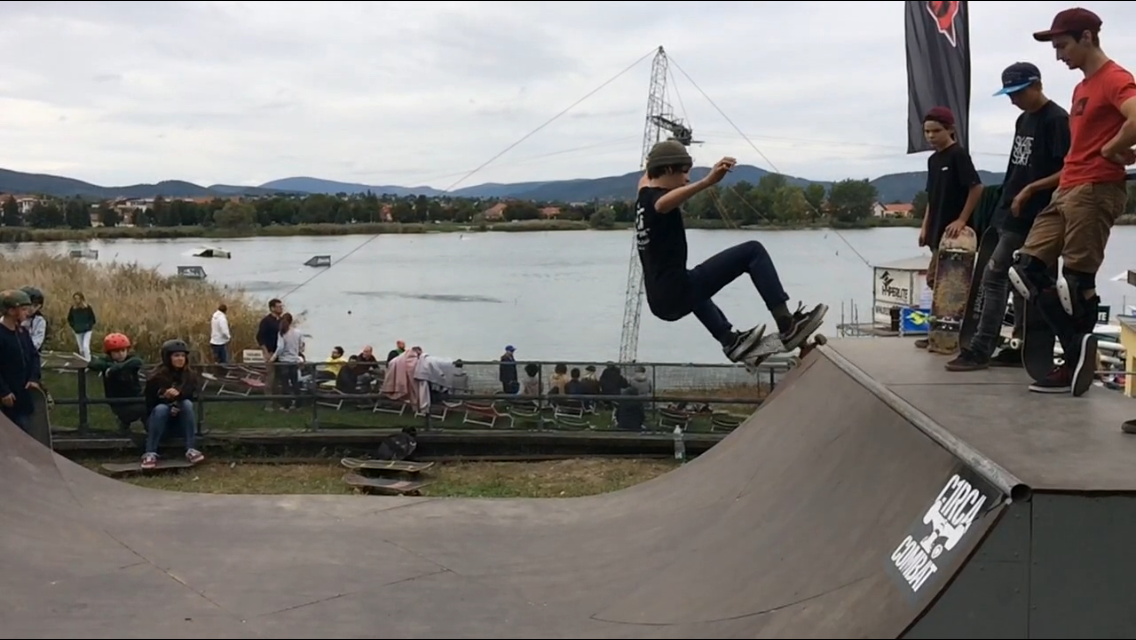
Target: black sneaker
<point>1007,358</point>
<point>1085,365</point>
<point>743,342</point>
<point>967,361</point>
<point>802,325</point>
<point>1059,380</point>
<point>922,343</point>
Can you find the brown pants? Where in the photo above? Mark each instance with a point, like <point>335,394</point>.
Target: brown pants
<point>1076,226</point>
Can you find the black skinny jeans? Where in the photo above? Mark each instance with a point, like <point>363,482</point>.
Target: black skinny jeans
<point>719,270</point>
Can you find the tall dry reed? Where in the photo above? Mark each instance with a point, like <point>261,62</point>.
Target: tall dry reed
<point>148,307</point>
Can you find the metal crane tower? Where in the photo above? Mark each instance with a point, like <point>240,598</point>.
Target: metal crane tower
<point>659,119</point>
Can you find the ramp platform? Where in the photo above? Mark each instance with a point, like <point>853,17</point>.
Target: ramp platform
<point>874,495</point>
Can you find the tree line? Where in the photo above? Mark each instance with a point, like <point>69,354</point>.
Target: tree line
<point>773,200</point>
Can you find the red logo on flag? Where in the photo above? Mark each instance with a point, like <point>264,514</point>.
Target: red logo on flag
<point>944,13</point>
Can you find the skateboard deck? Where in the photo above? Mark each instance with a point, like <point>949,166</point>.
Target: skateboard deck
<point>41,418</point>
<point>384,485</point>
<point>772,345</point>
<point>119,468</point>
<point>406,466</point>
<point>1038,343</point>
<point>953,276</point>
<point>975,297</point>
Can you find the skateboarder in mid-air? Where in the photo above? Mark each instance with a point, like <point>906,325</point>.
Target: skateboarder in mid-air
<point>19,360</point>
<point>1041,140</point>
<point>953,189</point>
<point>170,392</point>
<point>673,291</point>
<point>1090,196</point>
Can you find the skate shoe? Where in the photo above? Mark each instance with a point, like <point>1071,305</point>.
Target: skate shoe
<point>802,325</point>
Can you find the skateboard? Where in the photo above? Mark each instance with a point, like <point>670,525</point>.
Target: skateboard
<point>975,297</point>
<point>41,418</point>
<point>384,485</point>
<point>953,275</point>
<point>771,345</point>
<point>1038,342</point>
<point>406,466</point>
<point>121,468</point>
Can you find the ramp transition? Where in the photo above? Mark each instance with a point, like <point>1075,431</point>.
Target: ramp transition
<point>844,508</point>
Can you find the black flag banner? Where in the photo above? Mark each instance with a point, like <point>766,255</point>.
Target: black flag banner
<point>938,66</point>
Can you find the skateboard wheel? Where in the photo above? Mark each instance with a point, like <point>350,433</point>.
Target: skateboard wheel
<point>794,362</point>
<point>820,339</point>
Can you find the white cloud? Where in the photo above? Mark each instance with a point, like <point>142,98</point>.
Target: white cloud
<point>421,93</point>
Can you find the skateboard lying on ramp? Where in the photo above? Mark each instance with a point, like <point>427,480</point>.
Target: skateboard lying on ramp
<point>386,486</point>
<point>405,466</point>
<point>975,297</point>
<point>953,276</point>
<point>164,464</point>
<point>41,418</point>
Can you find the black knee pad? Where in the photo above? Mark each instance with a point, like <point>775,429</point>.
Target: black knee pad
<point>1030,276</point>
<point>1072,289</point>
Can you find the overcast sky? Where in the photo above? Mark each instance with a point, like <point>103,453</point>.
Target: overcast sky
<point>416,93</point>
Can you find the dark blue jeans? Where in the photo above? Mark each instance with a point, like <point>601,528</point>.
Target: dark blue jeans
<point>220,353</point>
<point>21,420</point>
<point>161,417</point>
<point>710,277</point>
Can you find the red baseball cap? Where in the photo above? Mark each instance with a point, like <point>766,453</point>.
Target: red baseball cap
<point>1070,21</point>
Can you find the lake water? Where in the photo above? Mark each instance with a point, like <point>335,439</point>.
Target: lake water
<point>555,295</point>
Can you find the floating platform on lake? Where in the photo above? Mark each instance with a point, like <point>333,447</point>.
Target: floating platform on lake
<point>318,261</point>
<point>84,254</point>
<point>191,272</point>
<point>212,252</point>
<point>874,495</point>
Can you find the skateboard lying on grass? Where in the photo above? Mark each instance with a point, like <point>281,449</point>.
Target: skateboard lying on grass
<point>41,418</point>
<point>405,466</point>
<point>164,464</point>
<point>387,486</point>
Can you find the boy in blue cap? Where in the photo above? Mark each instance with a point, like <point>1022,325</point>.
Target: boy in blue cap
<point>1041,140</point>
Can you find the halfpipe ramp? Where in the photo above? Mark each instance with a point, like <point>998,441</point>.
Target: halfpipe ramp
<point>847,507</point>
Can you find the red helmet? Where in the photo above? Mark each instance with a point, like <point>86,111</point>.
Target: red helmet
<point>115,341</point>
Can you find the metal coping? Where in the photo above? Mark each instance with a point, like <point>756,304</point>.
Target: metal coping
<point>1006,482</point>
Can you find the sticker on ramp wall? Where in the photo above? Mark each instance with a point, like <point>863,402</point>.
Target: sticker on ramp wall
<point>931,544</point>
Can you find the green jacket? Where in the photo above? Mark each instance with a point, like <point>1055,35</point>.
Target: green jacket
<point>81,320</point>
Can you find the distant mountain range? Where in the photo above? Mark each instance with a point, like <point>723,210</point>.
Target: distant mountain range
<point>894,187</point>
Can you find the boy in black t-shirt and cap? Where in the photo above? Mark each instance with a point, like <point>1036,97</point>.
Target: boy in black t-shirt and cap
<point>953,188</point>
<point>1041,140</point>
<point>673,291</point>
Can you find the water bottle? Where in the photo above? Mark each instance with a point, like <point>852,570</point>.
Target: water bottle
<point>680,446</point>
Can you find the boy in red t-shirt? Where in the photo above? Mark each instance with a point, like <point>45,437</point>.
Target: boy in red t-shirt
<point>1090,197</point>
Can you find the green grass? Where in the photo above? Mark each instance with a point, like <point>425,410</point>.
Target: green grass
<point>554,479</point>
<point>224,415</point>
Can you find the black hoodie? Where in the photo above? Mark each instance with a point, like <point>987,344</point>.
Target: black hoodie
<point>19,365</point>
<point>184,380</point>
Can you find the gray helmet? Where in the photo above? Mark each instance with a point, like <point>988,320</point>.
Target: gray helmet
<point>170,347</point>
<point>34,293</point>
<point>14,299</point>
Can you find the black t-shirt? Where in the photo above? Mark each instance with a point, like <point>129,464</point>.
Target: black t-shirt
<point>661,239</point>
<point>1041,140</point>
<point>950,176</point>
<point>268,333</point>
